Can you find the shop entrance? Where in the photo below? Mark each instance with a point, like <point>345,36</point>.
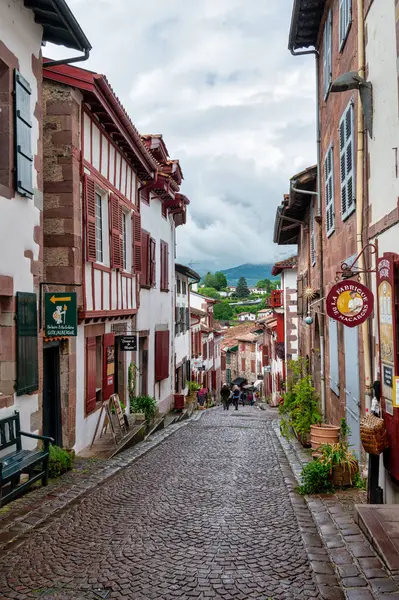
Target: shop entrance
<point>51,392</point>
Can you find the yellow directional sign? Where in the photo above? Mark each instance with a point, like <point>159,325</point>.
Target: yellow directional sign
<point>61,315</point>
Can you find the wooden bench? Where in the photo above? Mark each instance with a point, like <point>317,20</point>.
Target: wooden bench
<point>34,463</point>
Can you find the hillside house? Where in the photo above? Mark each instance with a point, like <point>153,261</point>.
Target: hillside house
<point>246,316</point>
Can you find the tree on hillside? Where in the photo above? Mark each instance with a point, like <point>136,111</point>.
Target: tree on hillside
<point>221,280</point>
<point>242,288</point>
<point>223,311</point>
<point>210,292</point>
<point>266,284</point>
<point>210,281</point>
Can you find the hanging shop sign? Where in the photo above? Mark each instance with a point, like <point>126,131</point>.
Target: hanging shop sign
<point>350,303</point>
<point>60,314</point>
<point>128,343</point>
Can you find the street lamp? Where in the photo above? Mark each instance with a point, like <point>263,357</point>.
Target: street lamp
<point>353,81</point>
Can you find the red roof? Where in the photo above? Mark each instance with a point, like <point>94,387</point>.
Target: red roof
<point>287,263</point>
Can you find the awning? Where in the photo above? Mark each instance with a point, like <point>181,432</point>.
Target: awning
<point>239,381</point>
<point>258,383</point>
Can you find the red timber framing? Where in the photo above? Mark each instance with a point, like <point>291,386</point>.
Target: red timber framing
<point>114,161</point>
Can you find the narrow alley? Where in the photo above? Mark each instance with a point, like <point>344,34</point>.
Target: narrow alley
<point>214,520</point>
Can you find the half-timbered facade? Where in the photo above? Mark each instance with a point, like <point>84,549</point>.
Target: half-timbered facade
<point>24,27</point>
<point>95,164</point>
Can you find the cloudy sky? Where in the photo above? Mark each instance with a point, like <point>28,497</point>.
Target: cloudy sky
<point>216,79</point>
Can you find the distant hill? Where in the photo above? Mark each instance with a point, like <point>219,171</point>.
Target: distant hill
<point>252,273</point>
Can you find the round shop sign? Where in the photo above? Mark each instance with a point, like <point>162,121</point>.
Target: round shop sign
<point>350,303</point>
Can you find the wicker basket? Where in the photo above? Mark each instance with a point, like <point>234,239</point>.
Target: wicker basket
<point>343,476</point>
<point>373,434</point>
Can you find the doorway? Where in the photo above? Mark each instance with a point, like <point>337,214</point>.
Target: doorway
<point>143,352</point>
<point>51,393</point>
<point>352,387</point>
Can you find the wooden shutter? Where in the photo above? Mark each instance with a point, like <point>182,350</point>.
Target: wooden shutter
<point>152,281</point>
<point>161,355</point>
<point>205,350</point>
<point>23,136</point>
<point>228,358</point>
<point>108,365</point>
<point>145,255</point>
<point>213,380</point>
<point>265,355</point>
<point>27,349</point>
<point>329,190</point>
<point>345,13</point>
<point>347,159</point>
<point>90,211</point>
<point>327,54</point>
<point>243,364</point>
<point>116,233</point>
<point>90,374</point>
<point>164,266</point>
<point>223,361</point>
<point>187,319</point>
<point>253,366</point>
<point>137,256</point>
<point>334,361</point>
<point>177,316</point>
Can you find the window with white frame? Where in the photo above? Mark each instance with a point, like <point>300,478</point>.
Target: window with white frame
<point>124,241</point>
<point>312,235</point>
<point>99,228</point>
<point>347,161</point>
<point>329,190</point>
<point>327,55</point>
<point>345,18</point>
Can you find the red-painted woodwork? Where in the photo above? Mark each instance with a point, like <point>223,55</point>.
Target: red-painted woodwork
<point>179,401</point>
<point>90,205</point>
<point>223,361</point>
<point>145,254</point>
<point>265,355</point>
<point>116,233</point>
<point>253,366</point>
<point>152,262</point>
<point>108,365</point>
<point>164,266</point>
<point>162,355</point>
<point>213,380</point>
<point>137,256</point>
<point>90,375</point>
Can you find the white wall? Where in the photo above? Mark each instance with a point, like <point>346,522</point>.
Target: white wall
<point>156,307</point>
<point>289,287</point>
<point>182,340</point>
<point>18,217</point>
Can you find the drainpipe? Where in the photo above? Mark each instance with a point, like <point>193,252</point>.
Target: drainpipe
<point>360,198</point>
<point>320,236</point>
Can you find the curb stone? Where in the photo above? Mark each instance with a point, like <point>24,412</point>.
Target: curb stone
<point>14,534</point>
<point>347,547</point>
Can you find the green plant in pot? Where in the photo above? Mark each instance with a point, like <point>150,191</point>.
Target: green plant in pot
<point>146,405</point>
<point>193,387</point>
<point>341,462</point>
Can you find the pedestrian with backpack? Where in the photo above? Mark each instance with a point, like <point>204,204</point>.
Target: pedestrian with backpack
<point>236,396</point>
<point>225,395</point>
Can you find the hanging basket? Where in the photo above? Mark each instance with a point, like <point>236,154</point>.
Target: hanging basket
<point>373,434</point>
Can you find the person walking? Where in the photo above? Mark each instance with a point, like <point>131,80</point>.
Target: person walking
<point>236,396</point>
<point>225,395</point>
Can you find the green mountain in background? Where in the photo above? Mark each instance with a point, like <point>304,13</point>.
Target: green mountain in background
<point>252,273</point>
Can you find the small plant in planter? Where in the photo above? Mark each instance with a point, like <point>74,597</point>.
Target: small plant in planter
<point>146,405</point>
<point>341,462</point>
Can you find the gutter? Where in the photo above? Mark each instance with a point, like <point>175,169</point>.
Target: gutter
<point>67,61</point>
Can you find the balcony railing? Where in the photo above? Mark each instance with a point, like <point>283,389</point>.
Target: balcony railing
<point>276,298</point>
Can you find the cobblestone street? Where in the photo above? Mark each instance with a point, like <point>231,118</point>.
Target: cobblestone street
<point>208,513</point>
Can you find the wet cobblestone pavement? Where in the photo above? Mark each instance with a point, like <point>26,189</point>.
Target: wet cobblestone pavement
<point>211,512</point>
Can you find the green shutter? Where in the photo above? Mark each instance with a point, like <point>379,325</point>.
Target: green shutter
<point>27,349</point>
<point>228,357</point>
<point>23,137</point>
<point>228,376</point>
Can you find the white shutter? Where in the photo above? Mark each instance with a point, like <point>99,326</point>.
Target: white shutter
<point>329,190</point>
<point>312,236</point>
<point>347,162</point>
<point>327,50</point>
<point>334,364</point>
<point>345,16</point>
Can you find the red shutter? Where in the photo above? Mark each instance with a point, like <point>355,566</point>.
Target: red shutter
<point>145,258</point>
<point>265,355</point>
<point>108,365</point>
<point>90,375</point>
<point>214,380</point>
<point>136,228</point>
<point>205,350</point>
<point>116,233</point>
<point>253,366</point>
<point>161,355</point>
<point>152,262</point>
<point>243,364</point>
<point>164,266</point>
<point>223,361</point>
<point>162,282</point>
<point>90,205</point>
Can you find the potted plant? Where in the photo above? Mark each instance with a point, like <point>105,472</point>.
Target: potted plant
<point>341,463</point>
<point>322,433</point>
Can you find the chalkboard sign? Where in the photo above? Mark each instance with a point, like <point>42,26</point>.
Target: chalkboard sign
<point>114,400</point>
<point>128,343</point>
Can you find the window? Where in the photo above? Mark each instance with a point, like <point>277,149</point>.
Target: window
<point>345,16</point>
<point>116,233</point>
<point>312,235</point>
<point>334,361</point>
<point>23,137</point>
<point>327,55</point>
<point>228,376</point>
<point>27,349</point>
<point>346,145</point>
<point>145,196</point>
<point>243,364</point>
<point>99,228</point>
<point>329,190</point>
<point>184,288</point>
<point>6,141</point>
<point>99,367</point>
<point>124,240</point>
<point>152,263</point>
<point>205,350</point>
<point>228,358</point>
<point>178,286</point>
<point>253,367</point>
<point>148,269</point>
<point>164,267</point>
<point>161,355</point>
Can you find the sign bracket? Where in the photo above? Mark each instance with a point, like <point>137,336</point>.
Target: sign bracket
<point>348,271</point>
